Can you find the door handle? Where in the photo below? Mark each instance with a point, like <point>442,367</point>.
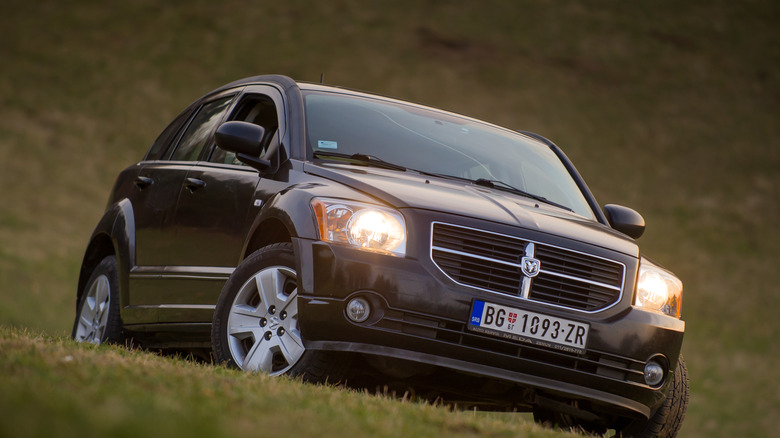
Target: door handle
<point>194,184</point>
<point>143,182</point>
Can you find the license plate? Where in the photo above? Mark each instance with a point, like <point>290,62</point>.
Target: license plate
<point>530,327</point>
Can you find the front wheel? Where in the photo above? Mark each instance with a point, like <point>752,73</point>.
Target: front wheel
<point>664,423</point>
<point>255,325</point>
<point>97,316</point>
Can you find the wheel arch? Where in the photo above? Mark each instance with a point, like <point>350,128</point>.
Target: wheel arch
<point>113,235</point>
<point>287,215</point>
<point>100,246</point>
<point>271,230</point>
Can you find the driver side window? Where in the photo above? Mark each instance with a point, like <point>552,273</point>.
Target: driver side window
<point>257,109</point>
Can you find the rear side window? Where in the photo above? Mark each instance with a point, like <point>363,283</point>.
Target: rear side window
<point>201,130</point>
<point>161,145</point>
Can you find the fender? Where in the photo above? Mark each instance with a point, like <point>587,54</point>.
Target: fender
<point>291,209</point>
<point>278,209</point>
<point>113,235</point>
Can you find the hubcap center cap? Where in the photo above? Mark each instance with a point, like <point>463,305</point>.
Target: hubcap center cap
<point>274,322</point>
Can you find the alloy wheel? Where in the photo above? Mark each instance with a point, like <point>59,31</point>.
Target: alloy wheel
<point>93,316</point>
<point>263,333</point>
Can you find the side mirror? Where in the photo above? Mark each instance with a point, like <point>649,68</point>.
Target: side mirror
<point>240,138</point>
<point>246,140</point>
<point>625,220</point>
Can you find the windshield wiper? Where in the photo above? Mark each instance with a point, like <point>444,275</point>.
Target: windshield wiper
<point>366,159</point>
<point>371,160</point>
<point>500,185</point>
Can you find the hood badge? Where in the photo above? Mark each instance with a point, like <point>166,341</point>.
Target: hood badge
<point>530,266</point>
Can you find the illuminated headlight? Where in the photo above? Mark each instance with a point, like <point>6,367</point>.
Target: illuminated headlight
<point>658,290</point>
<point>365,226</point>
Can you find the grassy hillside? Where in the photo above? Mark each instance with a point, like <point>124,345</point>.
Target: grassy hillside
<point>55,387</point>
<point>671,108</point>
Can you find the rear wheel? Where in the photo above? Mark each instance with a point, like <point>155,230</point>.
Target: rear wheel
<point>97,317</point>
<point>255,325</point>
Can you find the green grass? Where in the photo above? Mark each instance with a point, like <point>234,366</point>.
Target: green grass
<point>52,386</point>
<point>669,107</point>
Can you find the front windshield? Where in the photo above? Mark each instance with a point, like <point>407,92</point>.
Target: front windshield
<point>437,142</point>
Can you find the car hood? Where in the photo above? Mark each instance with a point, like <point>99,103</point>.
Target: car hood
<point>412,190</point>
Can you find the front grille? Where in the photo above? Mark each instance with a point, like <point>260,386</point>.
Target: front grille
<point>492,262</point>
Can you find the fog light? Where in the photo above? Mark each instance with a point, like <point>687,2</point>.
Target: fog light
<point>358,309</point>
<point>654,373</point>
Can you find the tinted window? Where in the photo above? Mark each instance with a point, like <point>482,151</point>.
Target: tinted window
<point>257,109</point>
<point>201,129</point>
<point>166,137</point>
<point>438,142</point>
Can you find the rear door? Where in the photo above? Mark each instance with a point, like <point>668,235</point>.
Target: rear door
<point>155,192</point>
<point>160,183</point>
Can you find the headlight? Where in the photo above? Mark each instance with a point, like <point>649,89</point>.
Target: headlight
<point>365,226</point>
<point>658,289</point>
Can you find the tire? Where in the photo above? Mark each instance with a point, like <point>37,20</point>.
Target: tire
<point>97,315</point>
<point>255,326</point>
<point>667,420</point>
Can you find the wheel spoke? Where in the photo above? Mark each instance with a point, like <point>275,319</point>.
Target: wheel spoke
<point>97,334</point>
<point>90,302</point>
<point>242,323</point>
<point>291,304</point>
<point>87,313</point>
<point>252,357</point>
<point>241,332</point>
<point>102,317</point>
<point>86,329</point>
<point>291,346</point>
<point>84,321</point>
<point>269,283</point>
<point>102,292</point>
<point>260,356</point>
<point>249,311</point>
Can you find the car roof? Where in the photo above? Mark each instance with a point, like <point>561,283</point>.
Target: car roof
<point>285,81</point>
<point>288,83</point>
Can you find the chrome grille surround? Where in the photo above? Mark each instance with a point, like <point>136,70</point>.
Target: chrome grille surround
<point>492,262</point>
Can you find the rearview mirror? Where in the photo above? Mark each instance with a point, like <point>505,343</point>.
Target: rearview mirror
<point>625,220</point>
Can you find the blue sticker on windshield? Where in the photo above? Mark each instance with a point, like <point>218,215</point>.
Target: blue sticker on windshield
<point>325,144</point>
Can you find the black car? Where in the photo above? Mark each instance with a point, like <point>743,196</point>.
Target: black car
<point>314,231</point>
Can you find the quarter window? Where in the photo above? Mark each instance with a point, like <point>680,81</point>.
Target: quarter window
<point>166,137</point>
<point>201,130</point>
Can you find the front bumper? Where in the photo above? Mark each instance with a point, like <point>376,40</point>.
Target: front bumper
<point>421,315</point>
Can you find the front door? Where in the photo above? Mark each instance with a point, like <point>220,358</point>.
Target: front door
<point>217,202</point>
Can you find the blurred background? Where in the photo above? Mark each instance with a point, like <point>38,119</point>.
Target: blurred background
<point>671,108</point>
